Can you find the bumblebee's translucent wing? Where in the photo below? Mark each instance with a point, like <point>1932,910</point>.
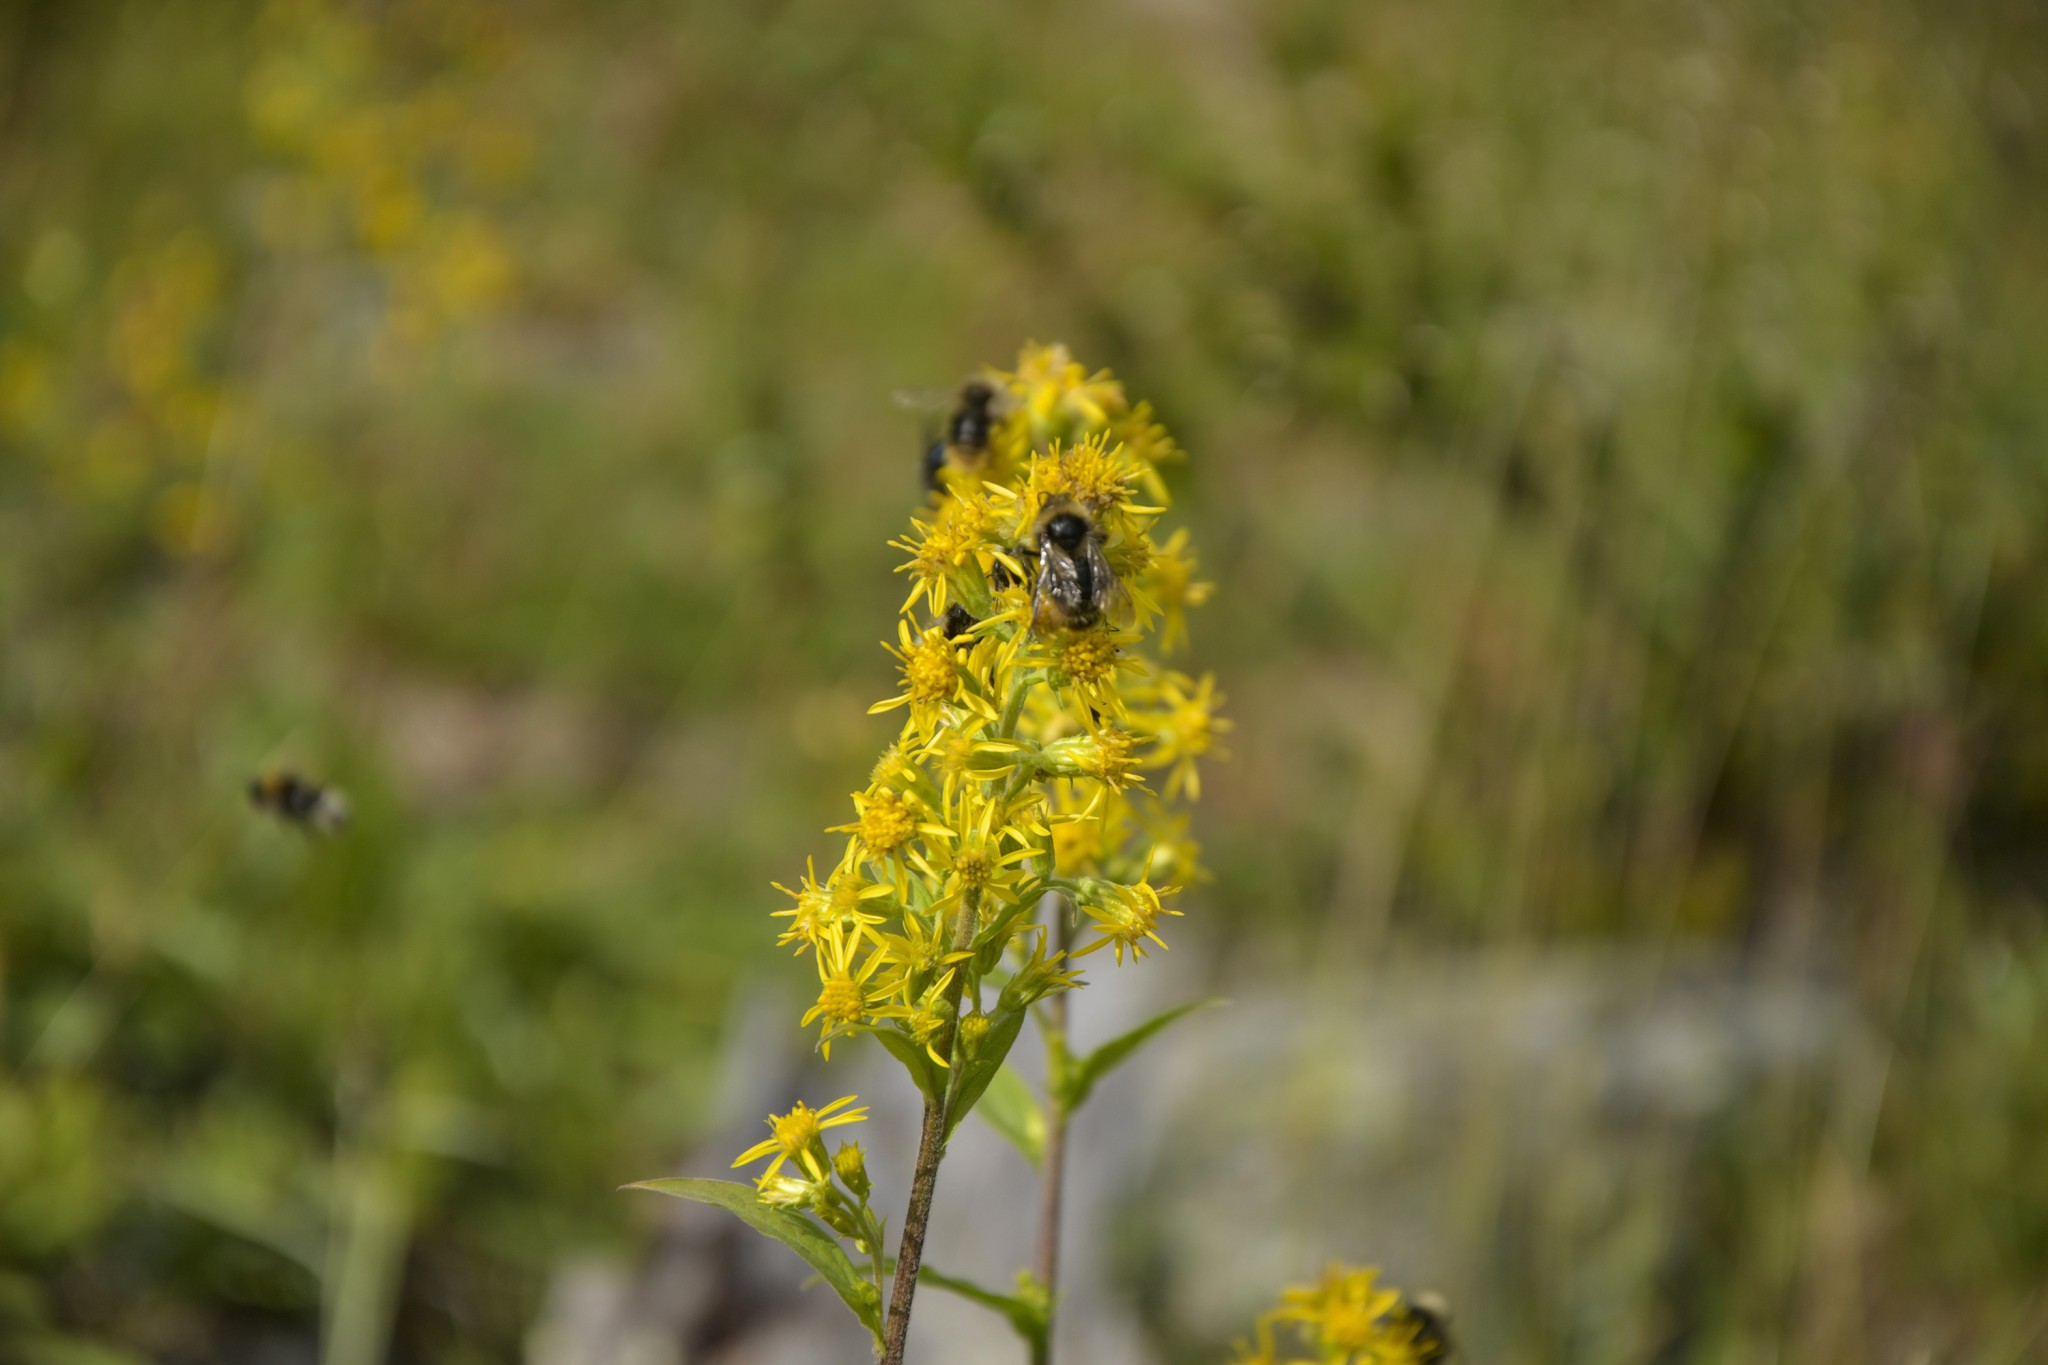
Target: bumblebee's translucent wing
<point>931,406</point>
<point>330,811</point>
<point>1075,591</point>
<point>928,401</point>
<point>1110,597</point>
<point>1057,597</point>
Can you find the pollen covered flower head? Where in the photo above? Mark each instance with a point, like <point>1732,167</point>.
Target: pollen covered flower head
<point>1093,474</point>
<point>848,994</point>
<point>888,820</point>
<point>951,550</point>
<point>931,677</point>
<point>1088,668</point>
<point>928,666</point>
<point>981,851</point>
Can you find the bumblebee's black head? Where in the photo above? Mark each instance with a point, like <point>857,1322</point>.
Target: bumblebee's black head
<point>977,394</point>
<point>1067,530</point>
<point>958,621</point>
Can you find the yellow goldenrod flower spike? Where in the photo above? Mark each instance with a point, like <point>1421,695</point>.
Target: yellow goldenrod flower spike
<point>1025,658</point>
<point>1025,647</point>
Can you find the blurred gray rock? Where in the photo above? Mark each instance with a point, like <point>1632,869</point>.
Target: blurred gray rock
<point>1384,1117</point>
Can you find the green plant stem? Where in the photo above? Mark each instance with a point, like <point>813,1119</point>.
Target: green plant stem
<point>931,1148</point>
<point>873,1225</point>
<point>366,1260</point>
<point>1013,705</point>
<point>1054,1026</point>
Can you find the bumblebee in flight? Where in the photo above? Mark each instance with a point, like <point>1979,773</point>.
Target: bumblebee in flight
<point>964,443</point>
<point>1432,1319</point>
<point>291,798</point>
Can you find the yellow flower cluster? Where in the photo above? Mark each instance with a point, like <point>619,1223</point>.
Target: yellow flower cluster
<point>391,152</point>
<point>1030,728</point>
<point>834,1187</point>
<point>412,181</point>
<point>1346,1318</point>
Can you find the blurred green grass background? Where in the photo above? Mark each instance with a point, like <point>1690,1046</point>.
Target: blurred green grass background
<point>1617,434</point>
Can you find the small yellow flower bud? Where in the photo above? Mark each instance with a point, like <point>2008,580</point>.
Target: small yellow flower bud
<point>973,1032</point>
<point>851,1165</point>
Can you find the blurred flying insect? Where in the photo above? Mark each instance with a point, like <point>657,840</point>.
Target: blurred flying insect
<point>308,805</point>
<point>972,413</point>
<point>1072,584</point>
<point>1432,1319</point>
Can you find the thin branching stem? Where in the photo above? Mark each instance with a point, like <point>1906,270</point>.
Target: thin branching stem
<point>931,1148</point>
<point>1054,1026</point>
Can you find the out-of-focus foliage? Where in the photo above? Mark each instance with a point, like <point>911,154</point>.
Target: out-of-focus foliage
<point>1621,428</point>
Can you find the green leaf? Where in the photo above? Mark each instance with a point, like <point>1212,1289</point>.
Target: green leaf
<point>1012,1110</point>
<point>1026,1311</point>
<point>975,1075</point>
<point>793,1230</point>
<point>1084,1072</point>
<point>912,1054</point>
